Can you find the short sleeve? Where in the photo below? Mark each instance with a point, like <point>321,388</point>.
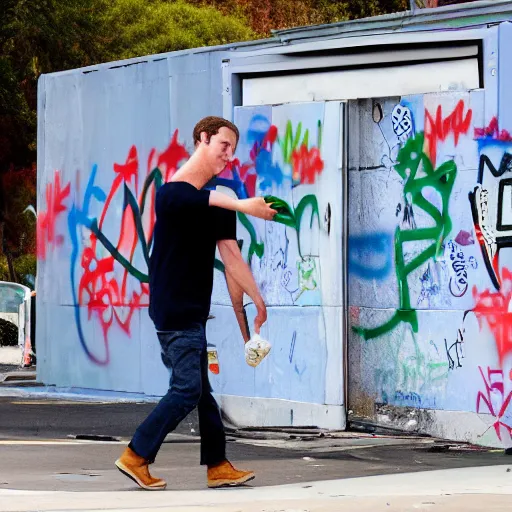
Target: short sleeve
<point>224,223</point>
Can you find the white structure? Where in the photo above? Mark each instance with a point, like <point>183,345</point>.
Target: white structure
<point>388,296</point>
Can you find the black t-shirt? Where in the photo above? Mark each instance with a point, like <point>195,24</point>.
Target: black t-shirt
<point>181,263</point>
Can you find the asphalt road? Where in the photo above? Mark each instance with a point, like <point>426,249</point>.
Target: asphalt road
<point>38,450</point>
<point>59,419</point>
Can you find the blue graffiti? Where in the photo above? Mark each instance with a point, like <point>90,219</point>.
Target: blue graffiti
<point>258,128</point>
<point>76,218</point>
<point>268,172</point>
<point>292,346</point>
<point>370,256</point>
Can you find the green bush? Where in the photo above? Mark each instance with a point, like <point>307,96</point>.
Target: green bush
<point>157,26</point>
<point>24,266</point>
<point>8,334</point>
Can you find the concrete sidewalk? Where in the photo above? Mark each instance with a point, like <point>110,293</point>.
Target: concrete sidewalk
<point>468,489</point>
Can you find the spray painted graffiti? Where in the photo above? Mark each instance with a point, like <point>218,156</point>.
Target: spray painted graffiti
<point>437,128</point>
<point>261,170</point>
<point>458,284</point>
<point>493,401</point>
<point>110,279</point>
<point>454,352</point>
<point>410,158</point>
<point>370,256</point>
<point>103,274</point>
<point>401,119</point>
<point>47,237</point>
<point>414,373</point>
<point>464,238</point>
<point>274,162</point>
<point>492,215</point>
<point>493,307</point>
<point>429,288</point>
<point>493,132</point>
<point>416,165</point>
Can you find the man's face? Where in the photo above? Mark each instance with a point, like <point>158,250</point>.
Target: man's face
<point>219,151</point>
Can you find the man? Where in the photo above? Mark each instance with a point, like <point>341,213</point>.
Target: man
<point>190,221</point>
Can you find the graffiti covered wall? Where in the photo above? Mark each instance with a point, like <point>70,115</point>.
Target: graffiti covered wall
<point>429,260</point>
<point>97,186</point>
<point>289,151</point>
<point>428,253</point>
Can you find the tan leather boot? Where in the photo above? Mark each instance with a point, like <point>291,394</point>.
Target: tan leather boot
<point>224,475</point>
<point>136,468</point>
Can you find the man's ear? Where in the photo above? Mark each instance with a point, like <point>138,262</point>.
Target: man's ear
<point>205,138</point>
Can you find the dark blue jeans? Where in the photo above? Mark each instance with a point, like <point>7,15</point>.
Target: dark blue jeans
<point>184,353</point>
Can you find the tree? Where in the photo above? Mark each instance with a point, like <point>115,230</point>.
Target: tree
<point>42,36</point>
<point>157,26</point>
<point>265,15</point>
<point>36,36</point>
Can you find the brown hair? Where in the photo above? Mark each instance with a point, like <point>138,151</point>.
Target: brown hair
<point>211,125</point>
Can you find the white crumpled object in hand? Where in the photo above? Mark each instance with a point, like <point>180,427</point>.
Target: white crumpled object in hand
<point>256,349</point>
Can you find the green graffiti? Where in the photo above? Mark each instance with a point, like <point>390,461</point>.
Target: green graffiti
<point>290,142</point>
<point>410,158</point>
<point>416,372</point>
<point>254,246</point>
<point>287,216</point>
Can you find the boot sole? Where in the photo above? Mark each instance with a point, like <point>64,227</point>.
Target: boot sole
<point>231,483</point>
<point>133,477</point>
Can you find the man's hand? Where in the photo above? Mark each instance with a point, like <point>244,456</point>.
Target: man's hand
<point>240,279</point>
<point>261,316</point>
<point>257,207</point>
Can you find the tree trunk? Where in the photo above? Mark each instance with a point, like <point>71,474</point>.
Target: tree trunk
<point>12,273</point>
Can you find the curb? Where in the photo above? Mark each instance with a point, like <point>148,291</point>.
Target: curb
<point>18,376</point>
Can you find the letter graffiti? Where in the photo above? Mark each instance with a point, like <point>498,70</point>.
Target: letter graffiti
<point>459,280</point>
<point>455,349</point>
<point>492,131</point>
<point>493,307</point>
<point>46,220</point>
<point>494,401</point>
<point>410,159</point>
<point>437,129</point>
<point>492,215</point>
<point>401,120</point>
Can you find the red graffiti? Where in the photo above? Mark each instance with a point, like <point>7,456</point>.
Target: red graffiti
<point>493,131</point>
<point>307,163</point>
<point>46,235</point>
<point>169,160</point>
<point>107,296</point>
<point>494,387</point>
<point>245,175</point>
<point>493,307</point>
<point>438,129</point>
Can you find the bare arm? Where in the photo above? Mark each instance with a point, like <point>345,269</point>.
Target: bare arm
<point>236,293</point>
<point>240,273</point>
<point>255,206</point>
